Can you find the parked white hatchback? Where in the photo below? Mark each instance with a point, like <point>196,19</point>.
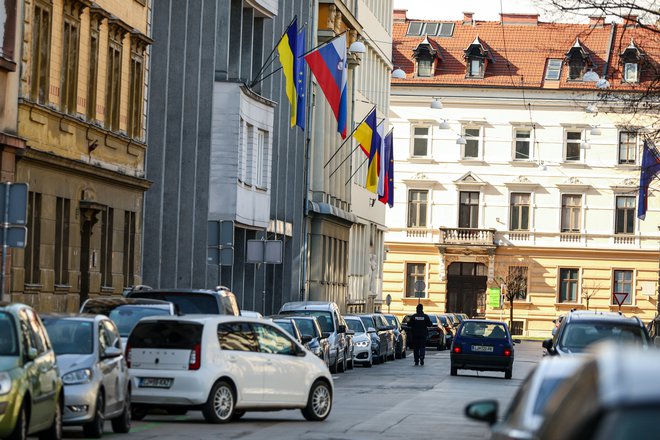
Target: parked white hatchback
<point>225,366</point>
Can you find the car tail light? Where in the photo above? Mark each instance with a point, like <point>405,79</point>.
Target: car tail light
<point>128,355</point>
<point>457,349</point>
<point>507,352</point>
<point>195,360</point>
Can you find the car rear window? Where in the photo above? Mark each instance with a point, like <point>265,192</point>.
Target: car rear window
<point>8,339</point>
<point>166,334</point>
<point>434,319</point>
<point>70,336</point>
<point>487,330</point>
<point>189,303</point>
<point>127,317</point>
<point>287,326</point>
<point>579,335</point>
<point>306,327</point>
<point>324,318</point>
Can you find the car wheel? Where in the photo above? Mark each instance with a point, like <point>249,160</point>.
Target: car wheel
<point>94,429</point>
<point>508,373</point>
<point>454,371</point>
<point>122,423</point>
<point>219,408</point>
<point>20,431</point>
<point>138,412</point>
<point>237,415</point>
<point>333,367</point>
<point>319,402</point>
<point>55,430</point>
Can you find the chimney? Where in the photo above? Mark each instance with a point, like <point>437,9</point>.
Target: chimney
<point>399,15</point>
<point>520,19</point>
<point>467,18</point>
<point>629,20</point>
<point>596,21</point>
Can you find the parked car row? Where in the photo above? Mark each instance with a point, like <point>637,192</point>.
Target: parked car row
<point>441,334</point>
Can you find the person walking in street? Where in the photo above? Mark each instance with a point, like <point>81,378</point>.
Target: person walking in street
<point>419,326</point>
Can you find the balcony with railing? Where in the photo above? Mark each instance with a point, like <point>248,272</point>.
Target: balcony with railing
<point>467,236</point>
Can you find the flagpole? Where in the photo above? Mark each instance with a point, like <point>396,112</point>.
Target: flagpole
<point>267,63</point>
<point>347,157</point>
<point>348,138</point>
<point>254,83</point>
<point>358,169</point>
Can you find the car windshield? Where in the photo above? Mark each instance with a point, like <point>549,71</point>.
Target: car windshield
<point>287,326</point>
<point>443,319</point>
<point>391,320</point>
<point>367,321</point>
<point>8,339</point>
<point>548,386</point>
<point>355,325</point>
<point>127,317</point>
<point>434,319</point>
<point>487,330</point>
<point>578,335</point>
<point>306,327</point>
<point>189,303</point>
<point>324,318</point>
<point>70,336</point>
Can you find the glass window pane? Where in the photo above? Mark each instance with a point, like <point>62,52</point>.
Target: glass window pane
<point>420,147</point>
<point>574,135</point>
<point>524,218</point>
<point>472,132</point>
<point>471,148</point>
<point>421,131</point>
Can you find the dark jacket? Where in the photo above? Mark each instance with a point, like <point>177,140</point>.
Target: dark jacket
<point>419,325</point>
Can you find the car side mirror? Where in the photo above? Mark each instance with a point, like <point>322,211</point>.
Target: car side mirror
<point>32,354</point>
<point>306,339</point>
<point>483,410</point>
<point>111,352</point>
<point>341,328</point>
<point>547,344</point>
<point>371,330</point>
<point>325,335</point>
<point>350,332</point>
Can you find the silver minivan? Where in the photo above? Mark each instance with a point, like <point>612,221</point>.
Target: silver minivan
<point>332,324</point>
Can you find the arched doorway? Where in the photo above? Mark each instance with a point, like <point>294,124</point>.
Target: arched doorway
<point>466,288</point>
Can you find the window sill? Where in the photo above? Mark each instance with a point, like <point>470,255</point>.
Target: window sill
<point>33,288</point>
<point>624,307</point>
<point>472,161</point>
<point>7,65</point>
<point>568,305</point>
<point>107,290</point>
<point>412,299</point>
<point>62,288</point>
<point>523,163</point>
<point>627,166</point>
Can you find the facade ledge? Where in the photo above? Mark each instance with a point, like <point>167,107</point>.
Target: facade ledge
<point>418,159</point>
<point>327,209</point>
<point>569,164</point>
<point>472,161</point>
<point>7,65</point>
<point>265,8</point>
<point>523,163</point>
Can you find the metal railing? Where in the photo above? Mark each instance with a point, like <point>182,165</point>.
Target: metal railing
<point>469,236</point>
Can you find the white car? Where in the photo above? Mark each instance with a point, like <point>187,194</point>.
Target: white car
<point>225,366</point>
<point>361,341</point>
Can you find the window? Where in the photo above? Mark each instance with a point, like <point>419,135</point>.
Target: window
<point>70,41</point>
<point>553,70</point>
<point>113,83</point>
<point>424,66</point>
<point>518,282</point>
<point>446,30</point>
<point>421,141</point>
<point>627,147</point>
<point>417,208</point>
<point>571,213</point>
<point>623,282</point>
<point>93,69</point>
<point>415,28</point>
<point>472,139</point>
<point>576,69</point>
<point>62,209</point>
<point>112,337</point>
<point>40,69</point>
<point>128,264</point>
<point>630,72</point>
<point>625,215</point>
<point>414,272</point>
<point>468,211</point>
<point>273,341</point>
<point>475,68</point>
<point>573,140</point>
<point>523,143</point>
<point>8,32</point>
<point>32,253</point>
<point>237,336</point>
<point>431,28</point>
<point>520,211</point>
<point>261,145</point>
<point>136,84</point>
<point>568,285</point>
<point>106,247</point>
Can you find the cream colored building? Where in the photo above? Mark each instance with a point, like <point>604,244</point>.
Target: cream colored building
<point>81,110</point>
<point>537,180</point>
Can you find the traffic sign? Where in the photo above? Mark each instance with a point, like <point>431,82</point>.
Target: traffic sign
<point>620,297</point>
<point>420,285</point>
<point>16,203</point>
<point>388,299</point>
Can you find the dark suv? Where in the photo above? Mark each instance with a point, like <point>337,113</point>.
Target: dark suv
<point>220,301</point>
<point>579,329</point>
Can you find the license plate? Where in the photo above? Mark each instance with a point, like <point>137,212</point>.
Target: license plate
<point>155,382</point>
<point>482,348</point>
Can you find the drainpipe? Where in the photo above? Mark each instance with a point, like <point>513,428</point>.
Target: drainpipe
<point>609,51</point>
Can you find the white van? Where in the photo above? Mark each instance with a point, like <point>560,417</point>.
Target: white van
<point>224,366</point>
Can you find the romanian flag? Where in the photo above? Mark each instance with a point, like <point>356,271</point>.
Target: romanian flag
<point>288,52</point>
<point>370,142</point>
<point>329,63</point>
<point>650,169</point>
<point>388,170</point>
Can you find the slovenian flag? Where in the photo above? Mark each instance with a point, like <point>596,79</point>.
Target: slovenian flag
<point>328,63</point>
<point>388,170</point>
<point>369,139</point>
<point>288,53</point>
<point>650,169</point>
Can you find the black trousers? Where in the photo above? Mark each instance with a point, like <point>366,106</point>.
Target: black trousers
<point>419,349</point>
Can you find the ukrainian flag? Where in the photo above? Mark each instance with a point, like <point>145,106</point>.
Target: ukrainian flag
<point>367,136</point>
<point>287,51</point>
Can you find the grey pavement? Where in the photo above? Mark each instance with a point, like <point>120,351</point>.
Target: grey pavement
<point>392,401</point>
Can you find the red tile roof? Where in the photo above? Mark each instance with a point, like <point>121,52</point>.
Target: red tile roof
<point>521,51</point>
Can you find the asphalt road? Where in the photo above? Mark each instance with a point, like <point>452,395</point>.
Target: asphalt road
<point>392,401</point>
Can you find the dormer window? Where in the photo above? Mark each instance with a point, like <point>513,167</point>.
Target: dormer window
<point>477,56</point>
<point>425,55</point>
<point>578,60</point>
<point>630,59</point>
